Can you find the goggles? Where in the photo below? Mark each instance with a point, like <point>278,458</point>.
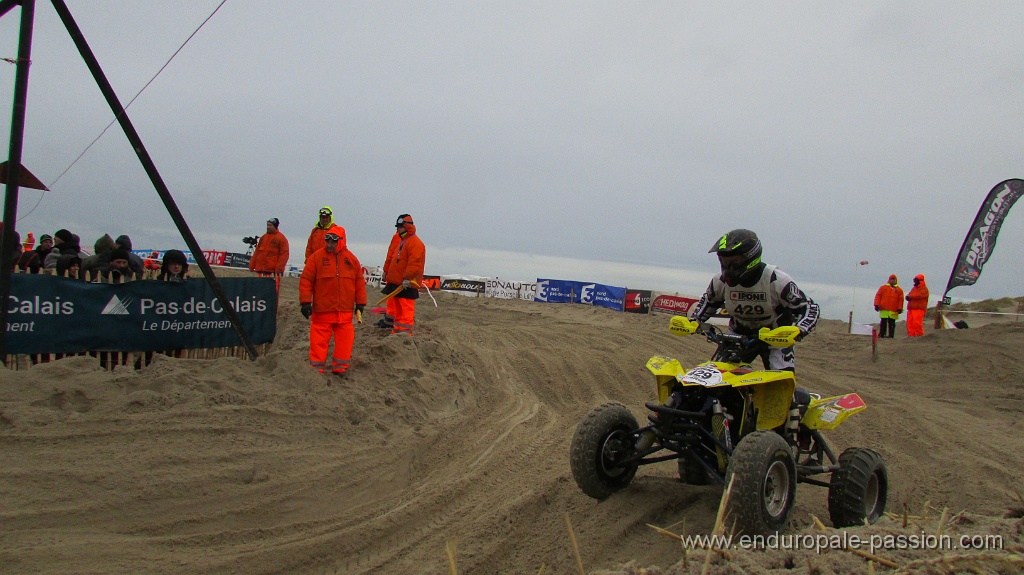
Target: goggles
<point>331,237</point>
<point>325,212</point>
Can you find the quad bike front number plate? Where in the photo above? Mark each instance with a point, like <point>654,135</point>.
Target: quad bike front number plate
<point>705,375</point>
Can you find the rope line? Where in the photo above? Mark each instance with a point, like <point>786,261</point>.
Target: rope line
<point>112,122</point>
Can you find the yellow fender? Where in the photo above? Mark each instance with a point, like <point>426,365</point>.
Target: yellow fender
<point>665,370</point>
<point>829,412</point>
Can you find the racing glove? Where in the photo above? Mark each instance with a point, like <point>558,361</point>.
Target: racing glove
<point>406,284</point>
<point>307,309</point>
<point>360,307</point>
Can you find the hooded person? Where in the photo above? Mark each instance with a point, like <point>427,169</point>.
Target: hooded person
<point>174,267</point>
<point>917,305</point>
<point>405,268</point>
<point>271,254</point>
<point>316,236</point>
<point>889,305</point>
<point>331,291</point>
<point>98,264</point>
<point>134,261</point>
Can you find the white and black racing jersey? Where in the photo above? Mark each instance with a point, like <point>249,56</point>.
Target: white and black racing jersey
<point>773,300</point>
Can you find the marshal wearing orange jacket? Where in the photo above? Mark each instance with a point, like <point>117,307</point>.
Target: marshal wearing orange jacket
<point>405,267</point>
<point>331,289</point>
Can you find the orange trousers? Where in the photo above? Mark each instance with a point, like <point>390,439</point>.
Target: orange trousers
<point>322,326</point>
<point>405,315</point>
<point>915,322</point>
<point>391,310</point>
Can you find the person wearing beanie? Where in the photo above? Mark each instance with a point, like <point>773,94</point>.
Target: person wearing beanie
<point>388,321</point>
<point>332,291</point>
<point>917,305</point>
<point>316,237</point>
<point>405,275</point>
<point>271,254</point>
<point>65,246</point>
<point>889,305</point>
<point>32,260</point>
<point>119,272</point>
<point>174,267</point>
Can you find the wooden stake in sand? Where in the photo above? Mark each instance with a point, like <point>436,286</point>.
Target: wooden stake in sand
<point>575,547</point>
<point>449,550</point>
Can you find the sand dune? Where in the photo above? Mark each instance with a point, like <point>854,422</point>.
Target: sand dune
<point>233,466</point>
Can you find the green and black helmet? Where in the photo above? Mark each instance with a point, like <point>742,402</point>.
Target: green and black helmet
<point>739,253</point>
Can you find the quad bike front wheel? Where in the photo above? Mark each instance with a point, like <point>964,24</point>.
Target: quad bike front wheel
<point>602,441</point>
<point>859,488</point>
<point>763,475</point>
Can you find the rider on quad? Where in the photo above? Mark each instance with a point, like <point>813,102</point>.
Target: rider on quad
<point>756,295</point>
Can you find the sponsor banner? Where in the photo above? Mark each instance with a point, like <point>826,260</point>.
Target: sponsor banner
<point>637,301</point>
<point>505,289</point>
<point>558,291</point>
<point>49,314</point>
<point>236,260</point>
<point>602,295</point>
<point>471,286</point>
<point>374,276</point>
<point>672,303</point>
<point>214,258</point>
<point>431,282</point>
<point>981,238</point>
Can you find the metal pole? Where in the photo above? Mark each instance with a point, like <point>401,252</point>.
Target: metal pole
<point>150,167</point>
<point>28,9</point>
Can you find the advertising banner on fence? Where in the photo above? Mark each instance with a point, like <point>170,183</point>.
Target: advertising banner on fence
<point>471,286</point>
<point>558,291</point>
<point>637,301</point>
<point>49,314</point>
<point>672,303</point>
<point>373,276</point>
<point>505,289</point>
<point>237,260</point>
<point>602,295</point>
<point>432,283</point>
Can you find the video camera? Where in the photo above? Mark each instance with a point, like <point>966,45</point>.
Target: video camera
<point>251,240</point>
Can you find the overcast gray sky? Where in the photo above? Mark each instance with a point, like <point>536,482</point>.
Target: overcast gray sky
<point>597,141</point>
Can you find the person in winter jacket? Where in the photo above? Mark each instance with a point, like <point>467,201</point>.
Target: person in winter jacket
<point>756,295</point>
<point>404,268</point>
<point>388,321</point>
<point>917,305</point>
<point>174,267</point>
<point>98,264</point>
<point>134,261</point>
<point>271,255</point>
<point>889,305</point>
<point>66,245</point>
<point>32,260</point>
<point>331,290</point>
<point>316,237</point>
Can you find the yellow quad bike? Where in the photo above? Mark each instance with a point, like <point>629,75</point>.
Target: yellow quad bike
<point>725,421</point>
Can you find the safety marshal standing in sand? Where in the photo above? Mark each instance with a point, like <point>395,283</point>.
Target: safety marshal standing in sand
<point>404,268</point>
<point>316,237</point>
<point>889,305</point>
<point>331,291</point>
<point>917,305</point>
<point>271,255</point>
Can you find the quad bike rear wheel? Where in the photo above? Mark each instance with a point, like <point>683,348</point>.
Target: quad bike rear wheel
<point>763,475</point>
<point>602,441</point>
<point>859,488</point>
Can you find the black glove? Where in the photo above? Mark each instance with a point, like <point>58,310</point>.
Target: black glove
<point>907,298</point>
<point>360,307</point>
<point>876,308</point>
<point>802,335</point>
<point>307,310</point>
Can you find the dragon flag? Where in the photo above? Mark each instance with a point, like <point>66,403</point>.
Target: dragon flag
<point>981,239</point>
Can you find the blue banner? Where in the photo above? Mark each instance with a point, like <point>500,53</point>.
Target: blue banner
<point>602,295</point>
<point>558,291</point>
<point>50,314</point>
